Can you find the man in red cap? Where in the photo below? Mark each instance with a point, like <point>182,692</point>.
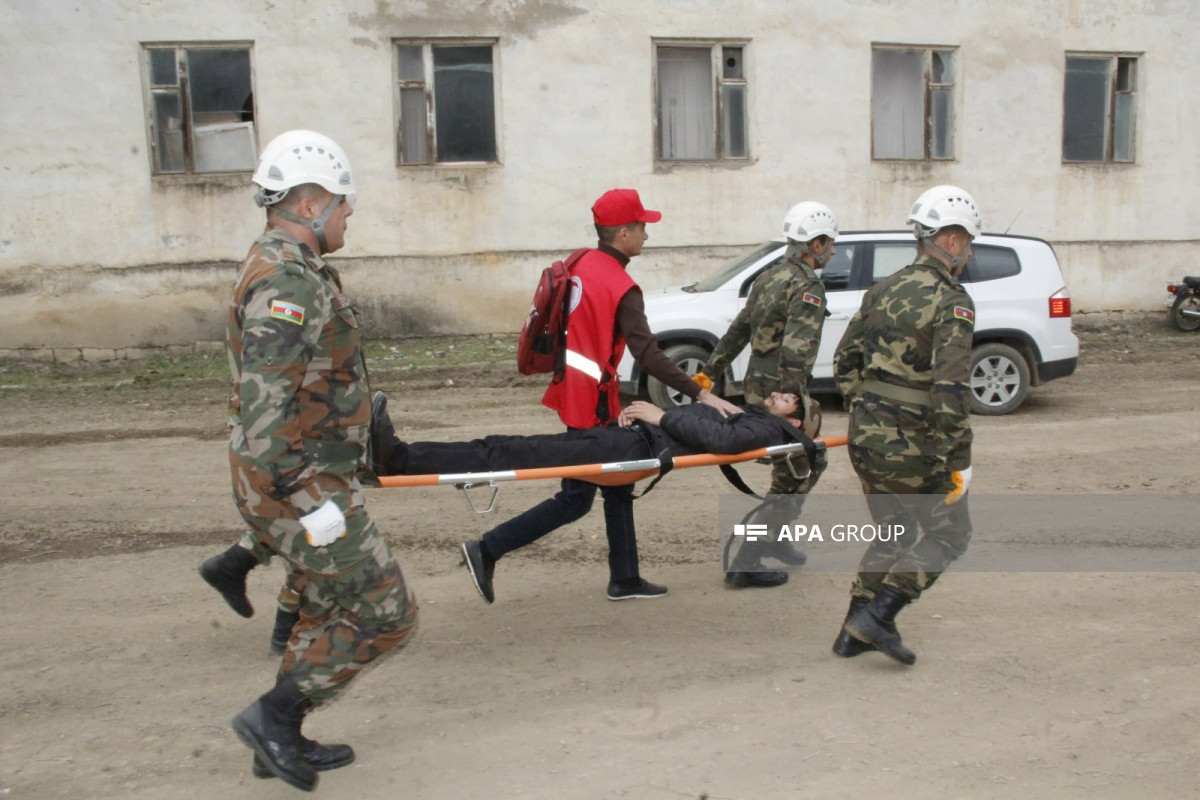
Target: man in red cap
<point>607,315</point>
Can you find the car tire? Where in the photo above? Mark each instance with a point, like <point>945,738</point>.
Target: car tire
<point>999,379</point>
<point>689,358</point>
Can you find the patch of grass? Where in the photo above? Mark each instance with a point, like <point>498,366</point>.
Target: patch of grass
<point>21,378</point>
<point>441,351</point>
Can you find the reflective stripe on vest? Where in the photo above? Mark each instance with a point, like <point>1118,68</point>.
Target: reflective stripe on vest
<point>585,365</point>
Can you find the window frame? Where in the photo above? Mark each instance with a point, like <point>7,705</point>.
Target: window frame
<point>720,81</point>
<point>929,87</point>
<point>182,88</point>
<point>1114,91</point>
<point>426,84</point>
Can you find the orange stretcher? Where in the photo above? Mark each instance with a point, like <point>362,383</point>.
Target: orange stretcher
<point>614,473</point>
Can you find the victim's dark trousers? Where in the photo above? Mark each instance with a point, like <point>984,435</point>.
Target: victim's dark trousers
<point>574,446</point>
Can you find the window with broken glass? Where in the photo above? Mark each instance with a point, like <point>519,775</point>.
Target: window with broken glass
<point>200,108</point>
<point>445,102</point>
<point>1098,108</point>
<point>912,103</point>
<point>701,101</point>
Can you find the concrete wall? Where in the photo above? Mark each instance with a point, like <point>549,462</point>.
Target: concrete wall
<point>96,252</point>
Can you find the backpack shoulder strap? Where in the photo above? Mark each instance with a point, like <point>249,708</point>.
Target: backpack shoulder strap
<point>570,260</point>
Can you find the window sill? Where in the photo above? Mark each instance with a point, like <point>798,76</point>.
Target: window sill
<point>451,165</point>
<point>661,167</point>
<point>231,180</point>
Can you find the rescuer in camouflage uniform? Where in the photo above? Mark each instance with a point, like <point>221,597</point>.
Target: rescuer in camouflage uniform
<point>299,411</point>
<point>782,322</point>
<point>903,366</point>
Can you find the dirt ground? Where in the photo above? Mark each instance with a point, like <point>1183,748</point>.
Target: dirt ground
<point>120,669</point>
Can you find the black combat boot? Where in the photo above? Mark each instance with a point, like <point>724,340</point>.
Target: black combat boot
<point>846,645</point>
<point>227,574</point>
<point>320,757</point>
<point>284,622</point>
<point>787,553</point>
<point>386,454</point>
<point>762,580</point>
<point>745,571</point>
<point>270,726</point>
<point>875,623</point>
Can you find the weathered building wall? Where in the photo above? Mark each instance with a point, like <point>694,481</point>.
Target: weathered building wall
<point>95,251</point>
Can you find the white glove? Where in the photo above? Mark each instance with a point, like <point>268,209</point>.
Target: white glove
<point>962,481</point>
<point>325,525</point>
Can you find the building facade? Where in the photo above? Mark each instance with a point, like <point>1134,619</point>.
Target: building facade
<point>480,133</point>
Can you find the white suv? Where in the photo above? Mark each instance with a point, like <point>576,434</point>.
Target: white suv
<point>1022,314</point>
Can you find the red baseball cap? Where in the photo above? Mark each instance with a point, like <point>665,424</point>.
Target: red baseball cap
<point>621,207</point>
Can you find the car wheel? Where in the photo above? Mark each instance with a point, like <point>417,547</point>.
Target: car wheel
<point>999,379</point>
<point>689,358</point>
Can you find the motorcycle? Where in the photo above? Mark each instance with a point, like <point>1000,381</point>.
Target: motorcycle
<point>1185,304</point>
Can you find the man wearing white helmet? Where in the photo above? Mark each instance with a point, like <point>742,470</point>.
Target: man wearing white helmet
<point>781,322</point>
<point>903,366</point>
<point>299,411</point>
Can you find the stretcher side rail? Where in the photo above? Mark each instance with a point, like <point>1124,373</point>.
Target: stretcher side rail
<point>615,473</point>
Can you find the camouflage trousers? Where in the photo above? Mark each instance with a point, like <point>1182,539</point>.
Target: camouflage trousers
<point>353,601</point>
<point>910,492</point>
<point>781,506</point>
<point>790,485</point>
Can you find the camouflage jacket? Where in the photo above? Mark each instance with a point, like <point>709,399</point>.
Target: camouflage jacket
<point>907,354</point>
<point>782,322</point>
<point>299,404</point>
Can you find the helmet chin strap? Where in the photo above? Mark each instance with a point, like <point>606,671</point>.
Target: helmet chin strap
<point>317,226</point>
<point>797,249</point>
<point>955,262</point>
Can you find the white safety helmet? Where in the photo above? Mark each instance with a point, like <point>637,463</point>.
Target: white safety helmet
<point>941,207</point>
<point>808,220</point>
<point>298,157</point>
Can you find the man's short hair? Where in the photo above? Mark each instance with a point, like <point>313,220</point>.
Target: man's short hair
<point>959,229</point>
<point>300,192</point>
<point>607,234</point>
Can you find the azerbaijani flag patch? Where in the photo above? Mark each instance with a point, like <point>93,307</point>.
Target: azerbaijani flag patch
<point>965,314</point>
<point>288,311</point>
<point>812,298</point>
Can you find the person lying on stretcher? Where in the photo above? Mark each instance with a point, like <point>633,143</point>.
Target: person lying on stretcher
<point>644,431</point>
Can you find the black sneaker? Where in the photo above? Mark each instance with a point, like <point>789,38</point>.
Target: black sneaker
<point>481,568</point>
<point>763,580</point>
<point>645,589</point>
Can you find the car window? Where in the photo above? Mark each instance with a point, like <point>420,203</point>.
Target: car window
<point>891,257</point>
<point>744,291</point>
<point>991,263</point>
<point>837,272</point>
<point>721,277</point>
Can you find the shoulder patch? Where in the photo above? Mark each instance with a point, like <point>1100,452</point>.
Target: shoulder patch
<point>965,314</point>
<point>287,311</point>
<point>812,298</point>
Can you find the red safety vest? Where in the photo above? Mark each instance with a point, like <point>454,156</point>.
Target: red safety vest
<point>594,346</point>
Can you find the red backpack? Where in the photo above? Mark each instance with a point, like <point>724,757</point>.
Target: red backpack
<point>542,346</point>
